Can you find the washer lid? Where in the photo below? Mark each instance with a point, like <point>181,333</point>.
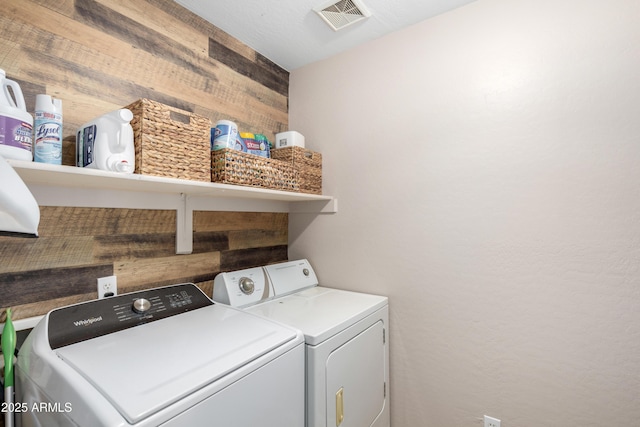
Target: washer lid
<point>320,312</point>
<point>143,369</point>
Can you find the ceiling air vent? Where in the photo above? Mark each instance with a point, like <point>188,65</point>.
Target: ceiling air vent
<point>343,13</point>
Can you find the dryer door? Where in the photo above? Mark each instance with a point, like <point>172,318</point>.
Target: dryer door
<point>355,380</point>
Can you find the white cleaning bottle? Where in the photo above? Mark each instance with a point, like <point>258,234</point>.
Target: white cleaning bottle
<point>106,143</point>
<point>16,125</point>
<point>48,130</point>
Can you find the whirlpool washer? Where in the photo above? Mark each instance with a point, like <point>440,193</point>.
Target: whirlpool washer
<point>167,356</point>
<point>346,334</point>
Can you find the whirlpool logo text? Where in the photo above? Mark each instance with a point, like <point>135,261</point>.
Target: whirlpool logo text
<point>88,322</point>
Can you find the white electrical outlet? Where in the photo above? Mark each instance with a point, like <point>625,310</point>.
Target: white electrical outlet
<point>107,286</point>
<point>491,422</point>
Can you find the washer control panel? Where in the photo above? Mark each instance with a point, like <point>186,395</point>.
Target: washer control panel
<point>81,322</point>
<point>141,305</point>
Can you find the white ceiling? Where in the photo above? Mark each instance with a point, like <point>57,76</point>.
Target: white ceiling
<point>290,34</point>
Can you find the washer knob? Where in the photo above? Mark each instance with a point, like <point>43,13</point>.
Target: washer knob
<point>141,305</point>
<point>246,286</point>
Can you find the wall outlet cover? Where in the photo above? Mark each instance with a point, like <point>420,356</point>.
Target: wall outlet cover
<point>491,422</point>
<point>107,286</point>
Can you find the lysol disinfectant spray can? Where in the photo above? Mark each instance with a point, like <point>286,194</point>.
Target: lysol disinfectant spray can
<point>48,130</point>
<point>16,125</point>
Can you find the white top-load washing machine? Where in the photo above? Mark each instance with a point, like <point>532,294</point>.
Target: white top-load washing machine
<point>346,334</point>
<point>167,356</point>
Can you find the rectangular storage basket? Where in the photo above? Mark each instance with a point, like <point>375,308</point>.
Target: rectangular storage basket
<point>170,142</point>
<point>308,165</point>
<point>230,166</point>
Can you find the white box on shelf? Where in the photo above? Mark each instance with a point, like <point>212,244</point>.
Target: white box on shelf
<point>289,139</point>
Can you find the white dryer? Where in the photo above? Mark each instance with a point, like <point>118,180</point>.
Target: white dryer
<point>162,357</point>
<point>346,334</point>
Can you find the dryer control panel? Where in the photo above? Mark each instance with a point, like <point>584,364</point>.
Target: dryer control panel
<point>81,322</point>
<point>292,276</point>
<point>242,288</point>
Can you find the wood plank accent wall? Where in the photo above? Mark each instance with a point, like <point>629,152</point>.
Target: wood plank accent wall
<point>100,55</point>
<point>78,245</point>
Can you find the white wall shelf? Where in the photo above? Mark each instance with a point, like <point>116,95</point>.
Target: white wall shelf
<point>54,185</point>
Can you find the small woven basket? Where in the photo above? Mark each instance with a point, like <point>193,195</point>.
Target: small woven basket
<point>170,142</point>
<point>307,164</point>
<point>230,166</point>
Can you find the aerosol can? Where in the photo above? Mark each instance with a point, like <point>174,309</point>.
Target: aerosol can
<point>106,143</point>
<point>47,144</point>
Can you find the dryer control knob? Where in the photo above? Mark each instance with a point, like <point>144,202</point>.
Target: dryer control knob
<point>141,305</point>
<point>246,286</point>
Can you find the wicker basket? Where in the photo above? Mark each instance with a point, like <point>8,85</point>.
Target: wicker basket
<point>170,142</point>
<point>308,165</point>
<point>230,166</point>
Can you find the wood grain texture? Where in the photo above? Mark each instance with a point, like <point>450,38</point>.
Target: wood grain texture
<point>269,74</point>
<point>100,55</point>
<point>150,272</point>
<point>210,241</point>
<point>217,221</point>
<point>78,245</point>
<point>254,257</point>
<point>245,239</point>
<point>68,221</point>
<point>35,285</point>
<point>20,254</point>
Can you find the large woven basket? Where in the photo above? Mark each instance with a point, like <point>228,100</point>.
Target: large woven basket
<point>307,164</point>
<point>230,166</point>
<point>170,142</point>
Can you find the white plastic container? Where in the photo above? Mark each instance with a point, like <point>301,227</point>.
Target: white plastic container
<point>47,144</point>
<point>289,139</point>
<point>106,143</point>
<point>16,124</point>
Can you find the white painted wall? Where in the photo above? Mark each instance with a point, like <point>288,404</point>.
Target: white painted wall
<point>487,167</point>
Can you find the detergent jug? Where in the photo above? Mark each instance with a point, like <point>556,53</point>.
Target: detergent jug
<point>106,143</point>
<point>16,125</point>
